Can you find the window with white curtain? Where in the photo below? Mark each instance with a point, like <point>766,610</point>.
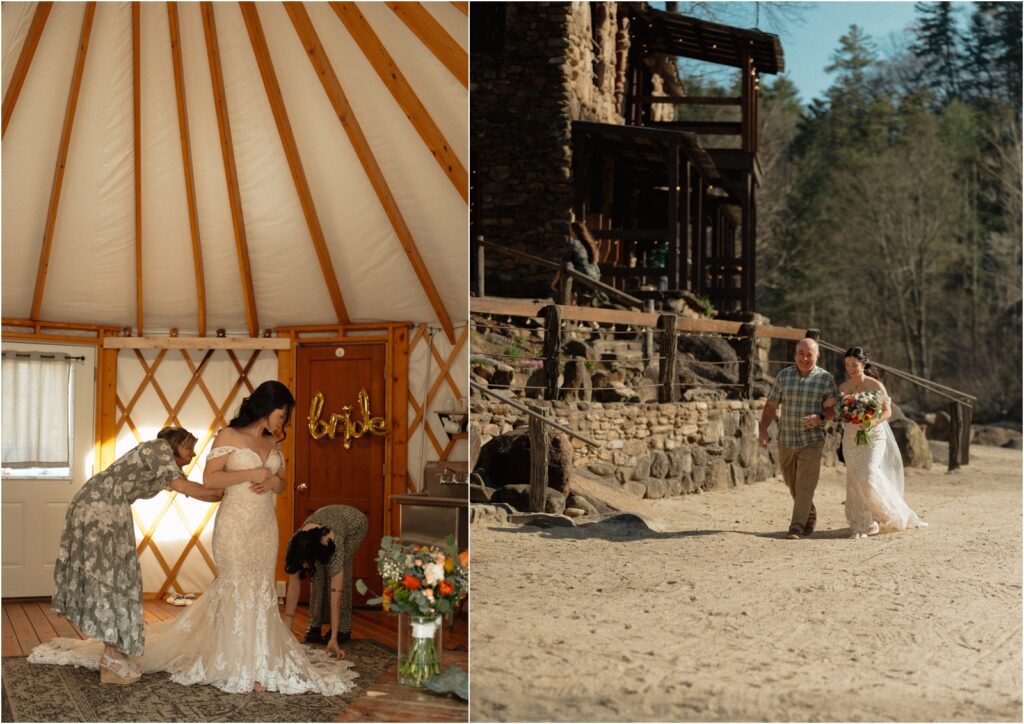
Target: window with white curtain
<point>37,419</point>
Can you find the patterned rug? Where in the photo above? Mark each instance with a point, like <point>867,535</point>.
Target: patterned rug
<point>36,693</point>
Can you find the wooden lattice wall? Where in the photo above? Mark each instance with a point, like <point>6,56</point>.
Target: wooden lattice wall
<point>199,390</point>
<point>202,389</point>
<point>438,371</point>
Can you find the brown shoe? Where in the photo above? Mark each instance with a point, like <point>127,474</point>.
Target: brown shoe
<point>812,518</point>
<point>795,532</point>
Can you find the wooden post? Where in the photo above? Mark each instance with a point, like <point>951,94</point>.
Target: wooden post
<point>648,344</point>
<point>956,424</point>
<point>747,349</point>
<point>480,271</point>
<point>538,462</point>
<point>552,350</point>
<point>565,287</point>
<point>667,366</point>
<point>672,260</point>
<point>965,440</point>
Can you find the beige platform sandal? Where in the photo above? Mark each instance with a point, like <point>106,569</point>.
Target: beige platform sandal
<point>120,672</point>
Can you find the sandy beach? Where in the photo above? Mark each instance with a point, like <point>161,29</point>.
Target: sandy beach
<point>719,617</point>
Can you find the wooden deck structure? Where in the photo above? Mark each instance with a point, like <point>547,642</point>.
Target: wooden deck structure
<point>29,622</point>
<point>671,211</point>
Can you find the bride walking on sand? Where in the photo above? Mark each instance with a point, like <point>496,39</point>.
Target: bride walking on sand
<point>874,467</point>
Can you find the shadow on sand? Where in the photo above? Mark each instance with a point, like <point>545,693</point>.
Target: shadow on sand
<point>625,527</point>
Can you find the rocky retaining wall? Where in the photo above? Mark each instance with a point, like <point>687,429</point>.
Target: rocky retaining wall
<point>653,450</point>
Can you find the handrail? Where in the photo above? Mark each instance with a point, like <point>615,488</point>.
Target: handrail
<point>575,274</point>
<point>528,411</point>
<point>941,390</point>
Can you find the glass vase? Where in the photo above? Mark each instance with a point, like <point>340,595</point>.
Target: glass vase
<point>419,649</point>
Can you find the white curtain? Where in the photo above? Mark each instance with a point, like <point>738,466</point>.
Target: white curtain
<point>36,402</point>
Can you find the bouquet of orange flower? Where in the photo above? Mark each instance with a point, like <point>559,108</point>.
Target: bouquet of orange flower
<point>860,408</point>
<point>424,582</point>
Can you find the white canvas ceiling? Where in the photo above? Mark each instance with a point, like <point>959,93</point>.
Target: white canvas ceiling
<point>91,277</point>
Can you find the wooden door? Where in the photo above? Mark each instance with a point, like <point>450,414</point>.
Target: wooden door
<point>332,474</point>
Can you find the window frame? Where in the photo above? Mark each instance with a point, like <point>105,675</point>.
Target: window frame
<point>83,412</point>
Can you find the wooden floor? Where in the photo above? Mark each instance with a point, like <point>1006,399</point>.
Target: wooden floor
<point>27,623</point>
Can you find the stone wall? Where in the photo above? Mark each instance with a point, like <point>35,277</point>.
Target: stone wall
<point>559,62</point>
<point>654,450</point>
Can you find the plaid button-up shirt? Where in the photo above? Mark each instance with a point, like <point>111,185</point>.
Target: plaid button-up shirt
<point>800,396</point>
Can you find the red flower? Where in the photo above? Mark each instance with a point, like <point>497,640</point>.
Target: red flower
<point>445,588</point>
<point>411,582</point>
<point>388,593</point>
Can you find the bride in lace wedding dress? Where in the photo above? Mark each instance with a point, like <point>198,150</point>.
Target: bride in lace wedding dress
<point>233,637</point>
<point>874,472</point>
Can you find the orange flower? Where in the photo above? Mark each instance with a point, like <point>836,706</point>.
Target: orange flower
<point>388,594</point>
<point>445,588</point>
<point>464,559</point>
<point>411,582</point>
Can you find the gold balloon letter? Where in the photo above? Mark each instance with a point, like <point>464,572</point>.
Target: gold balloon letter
<point>353,429</point>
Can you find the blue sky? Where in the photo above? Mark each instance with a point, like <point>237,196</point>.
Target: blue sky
<point>809,40</point>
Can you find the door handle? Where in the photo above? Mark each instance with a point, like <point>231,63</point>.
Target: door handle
<point>302,487</point>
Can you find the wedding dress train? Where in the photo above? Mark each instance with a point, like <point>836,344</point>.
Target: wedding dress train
<point>232,637</point>
<point>874,483</point>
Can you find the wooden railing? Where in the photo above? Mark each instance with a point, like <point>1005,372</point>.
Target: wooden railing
<point>666,330</point>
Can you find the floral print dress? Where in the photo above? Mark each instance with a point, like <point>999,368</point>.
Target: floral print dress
<point>97,577</point>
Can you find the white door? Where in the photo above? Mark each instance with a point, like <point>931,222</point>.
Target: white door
<point>34,508</point>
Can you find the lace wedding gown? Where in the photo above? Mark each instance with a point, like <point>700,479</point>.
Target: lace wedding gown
<point>874,483</point>
<point>232,637</point>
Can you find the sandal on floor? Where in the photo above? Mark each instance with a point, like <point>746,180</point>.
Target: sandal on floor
<point>118,671</point>
<point>795,532</point>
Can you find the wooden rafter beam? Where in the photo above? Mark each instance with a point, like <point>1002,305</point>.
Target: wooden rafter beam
<point>332,86</point>
<point>423,25</point>
<point>462,7</point>
<point>403,93</point>
<point>196,343</point>
<point>62,157</point>
<point>137,158</point>
<point>186,160</point>
<point>28,51</point>
<point>291,152</point>
<point>230,171</point>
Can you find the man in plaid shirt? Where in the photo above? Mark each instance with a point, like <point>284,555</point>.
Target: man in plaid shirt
<point>801,390</point>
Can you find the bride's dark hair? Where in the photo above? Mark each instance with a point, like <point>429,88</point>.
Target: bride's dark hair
<point>269,396</point>
<point>861,356</point>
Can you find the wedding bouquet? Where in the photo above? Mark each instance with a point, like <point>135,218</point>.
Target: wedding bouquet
<point>860,408</point>
<point>423,582</point>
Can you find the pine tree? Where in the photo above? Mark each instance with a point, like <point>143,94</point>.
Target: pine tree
<point>938,47</point>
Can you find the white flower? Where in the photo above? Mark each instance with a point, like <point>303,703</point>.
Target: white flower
<point>433,573</point>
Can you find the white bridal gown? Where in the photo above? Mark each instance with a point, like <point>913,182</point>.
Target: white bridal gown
<point>874,483</point>
<point>232,637</point>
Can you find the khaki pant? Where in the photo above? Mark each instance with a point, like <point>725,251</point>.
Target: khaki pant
<point>801,467</point>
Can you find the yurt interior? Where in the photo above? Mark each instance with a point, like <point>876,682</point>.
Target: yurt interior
<point>199,197</point>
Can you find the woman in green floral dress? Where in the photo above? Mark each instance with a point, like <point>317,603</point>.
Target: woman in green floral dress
<point>97,577</point>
